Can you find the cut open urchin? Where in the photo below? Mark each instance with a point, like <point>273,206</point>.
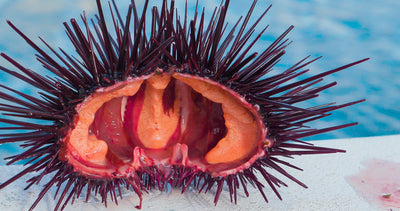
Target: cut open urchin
<point>180,102</point>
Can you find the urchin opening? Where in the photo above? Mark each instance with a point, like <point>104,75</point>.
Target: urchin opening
<point>164,119</point>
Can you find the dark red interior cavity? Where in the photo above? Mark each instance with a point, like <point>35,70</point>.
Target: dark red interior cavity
<point>201,124</point>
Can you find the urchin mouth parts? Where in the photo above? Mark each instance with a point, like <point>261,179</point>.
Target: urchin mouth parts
<point>164,119</point>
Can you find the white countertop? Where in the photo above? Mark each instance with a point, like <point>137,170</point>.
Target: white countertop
<point>331,180</point>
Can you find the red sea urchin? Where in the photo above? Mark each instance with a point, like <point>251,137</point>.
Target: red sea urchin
<point>186,104</point>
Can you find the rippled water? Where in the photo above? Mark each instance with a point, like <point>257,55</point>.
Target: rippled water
<point>341,31</point>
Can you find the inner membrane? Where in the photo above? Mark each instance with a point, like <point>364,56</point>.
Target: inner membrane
<point>163,119</point>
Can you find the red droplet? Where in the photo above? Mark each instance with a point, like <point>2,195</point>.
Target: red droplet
<point>378,183</point>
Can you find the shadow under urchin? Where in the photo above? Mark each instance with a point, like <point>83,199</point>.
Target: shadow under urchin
<point>171,66</point>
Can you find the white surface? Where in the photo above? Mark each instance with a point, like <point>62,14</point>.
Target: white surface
<point>325,176</point>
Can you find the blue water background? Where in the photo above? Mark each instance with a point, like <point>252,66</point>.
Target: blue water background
<point>341,31</point>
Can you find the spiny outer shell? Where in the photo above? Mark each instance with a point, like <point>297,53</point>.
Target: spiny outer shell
<point>197,48</point>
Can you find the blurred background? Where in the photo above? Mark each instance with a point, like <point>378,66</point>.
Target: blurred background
<point>341,31</point>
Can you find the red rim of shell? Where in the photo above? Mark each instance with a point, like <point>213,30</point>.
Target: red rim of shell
<point>92,152</point>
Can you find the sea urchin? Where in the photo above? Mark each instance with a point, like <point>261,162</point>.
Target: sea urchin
<point>185,104</point>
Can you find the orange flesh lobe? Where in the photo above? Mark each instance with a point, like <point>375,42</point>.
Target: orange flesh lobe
<point>87,146</point>
<point>239,121</point>
<point>163,115</point>
<point>155,126</point>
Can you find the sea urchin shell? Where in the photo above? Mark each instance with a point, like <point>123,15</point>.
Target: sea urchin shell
<point>186,104</point>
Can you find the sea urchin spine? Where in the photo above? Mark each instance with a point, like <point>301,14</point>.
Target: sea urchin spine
<point>186,104</point>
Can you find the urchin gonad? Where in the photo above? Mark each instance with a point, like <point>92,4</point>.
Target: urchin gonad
<point>186,103</point>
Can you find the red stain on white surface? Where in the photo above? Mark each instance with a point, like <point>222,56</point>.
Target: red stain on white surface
<point>378,183</point>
